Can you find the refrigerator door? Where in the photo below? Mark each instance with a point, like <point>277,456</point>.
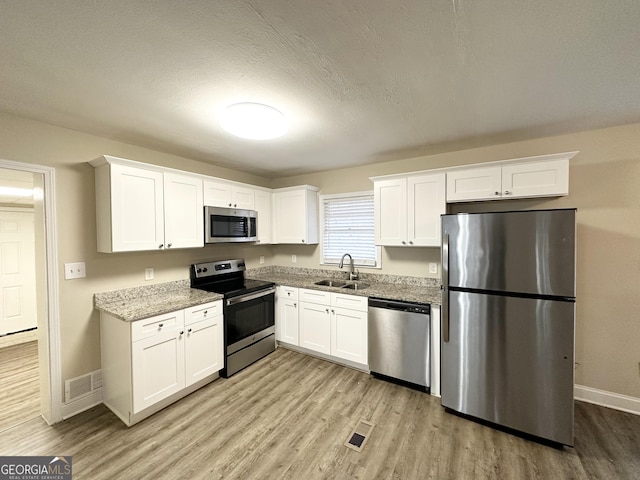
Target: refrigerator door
<point>531,252</point>
<point>509,361</point>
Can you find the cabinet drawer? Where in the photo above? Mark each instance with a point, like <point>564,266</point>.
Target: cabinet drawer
<point>288,292</point>
<point>315,296</point>
<point>353,302</point>
<point>202,312</point>
<point>157,325</point>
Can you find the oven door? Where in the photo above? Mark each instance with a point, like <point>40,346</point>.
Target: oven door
<point>248,319</point>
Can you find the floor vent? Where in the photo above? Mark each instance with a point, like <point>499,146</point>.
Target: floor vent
<point>359,435</point>
<point>82,386</point>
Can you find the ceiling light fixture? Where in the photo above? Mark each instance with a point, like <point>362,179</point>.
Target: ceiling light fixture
<point>254,121</point>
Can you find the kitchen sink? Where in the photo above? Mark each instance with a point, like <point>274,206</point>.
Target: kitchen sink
<point>341,284</point>
<point>332,283</point>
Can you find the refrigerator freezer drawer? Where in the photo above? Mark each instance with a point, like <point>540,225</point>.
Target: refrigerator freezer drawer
<point>510,361</point>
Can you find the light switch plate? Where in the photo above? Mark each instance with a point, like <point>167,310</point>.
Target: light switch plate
<point>294,259</point>
<point>148,273</point>
<point>433,268</point>
<point>261,259</point>
<point>75,270</point>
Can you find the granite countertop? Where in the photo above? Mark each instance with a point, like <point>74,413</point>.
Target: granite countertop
<point>391,287</point>
<point>137,303</point>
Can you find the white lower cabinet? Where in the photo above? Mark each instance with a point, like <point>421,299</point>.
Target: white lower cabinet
<point>334,324</point>
<point>150,363</point>
<point>287,328</point>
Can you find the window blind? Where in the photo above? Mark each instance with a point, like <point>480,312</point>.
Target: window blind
<point>349,227</point>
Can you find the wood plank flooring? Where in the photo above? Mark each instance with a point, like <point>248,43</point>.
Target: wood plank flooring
<point>19,384</point>
<point>288,416</point>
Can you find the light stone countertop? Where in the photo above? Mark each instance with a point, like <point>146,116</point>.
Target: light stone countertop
<point>390,287</point>
<point>136,303</point>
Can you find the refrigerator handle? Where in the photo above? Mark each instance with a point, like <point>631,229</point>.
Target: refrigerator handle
<point>445,288</point>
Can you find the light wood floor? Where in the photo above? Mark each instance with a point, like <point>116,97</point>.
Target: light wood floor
<point>19,384</point>
<point>287,417</point>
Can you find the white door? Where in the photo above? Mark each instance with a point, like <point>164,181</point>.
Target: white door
<point>536,179</point>
<point>290,217</point>
<point>217,194</point>
<point>183,211</point>
<point>390,207</point>
<point>349,335</point>
<point>158,368</point>
<point>17,272</point>
<point>315,327</point>
<point>289,321</point>
<point>203,349</point>
<point>243,198</point>
<point>469,184</point>
<point>426,202</point>
<point>263,207</point>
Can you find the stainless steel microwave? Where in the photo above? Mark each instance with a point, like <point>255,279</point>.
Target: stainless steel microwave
<point>222,225</point>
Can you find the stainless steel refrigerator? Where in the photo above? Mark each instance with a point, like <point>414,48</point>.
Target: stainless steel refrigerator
<point>508,316</point>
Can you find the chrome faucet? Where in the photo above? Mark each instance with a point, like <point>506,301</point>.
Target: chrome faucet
<point>353,275</point>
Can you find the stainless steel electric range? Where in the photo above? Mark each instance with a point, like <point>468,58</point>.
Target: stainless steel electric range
<point>249,311</point>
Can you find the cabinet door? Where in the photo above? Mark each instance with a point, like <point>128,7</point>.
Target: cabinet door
<point>203,349</point>
<point>263,207</point>
<point>158,368</point>
<point>538,179</point>
<point>315,327</point>
<point>217,194</point>
<point>426,202</point>
<point>349,335</point>
<point>287,321</point>
<point>243,198</point>
<point>137,215</point>
<point>289,209</point>
<point>471,184</point>
<point>390,204</point>
<point>183,211</point>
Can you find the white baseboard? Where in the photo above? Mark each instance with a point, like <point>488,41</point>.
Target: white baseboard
<point>603,398</point>
<point>80,405</point>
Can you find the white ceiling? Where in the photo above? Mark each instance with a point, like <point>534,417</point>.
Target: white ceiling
<point>361,81</point>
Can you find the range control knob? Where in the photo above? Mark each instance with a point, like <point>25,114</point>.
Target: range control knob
<point>204,270</point>
<point>199,270</point>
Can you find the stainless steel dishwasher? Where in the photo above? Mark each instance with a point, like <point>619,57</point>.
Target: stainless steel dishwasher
<point>399,341</point>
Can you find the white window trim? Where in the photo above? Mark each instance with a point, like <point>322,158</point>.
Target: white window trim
<point>345,195</point>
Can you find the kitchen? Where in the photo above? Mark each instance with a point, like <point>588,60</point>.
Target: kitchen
<point>603,185</point>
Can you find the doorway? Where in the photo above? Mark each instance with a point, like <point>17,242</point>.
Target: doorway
<point>29,323</point>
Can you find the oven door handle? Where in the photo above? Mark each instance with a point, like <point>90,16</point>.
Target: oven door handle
<point>251,296</point>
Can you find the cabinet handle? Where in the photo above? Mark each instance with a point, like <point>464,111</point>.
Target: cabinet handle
<point>507,192</point>
<point>410,242</point>
<point>161,245</point>
<point>160,325</point>
<point>497,194</point>
<point>333,311</point>
<point>295,305</point>
<point>169,245</point>
<point>189,331</point>
<point>205,312</point>
<point>182,332</point>
<point>403,242</point>
<point>303,240</point>
<point>229,204</point>
<point>327,310</point>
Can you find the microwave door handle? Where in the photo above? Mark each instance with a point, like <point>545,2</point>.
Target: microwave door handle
<point>252,296</point>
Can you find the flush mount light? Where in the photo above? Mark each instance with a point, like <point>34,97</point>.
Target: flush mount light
<point>254,121</point>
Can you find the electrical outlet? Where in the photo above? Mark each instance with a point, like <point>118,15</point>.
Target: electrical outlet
<point>294,259</point>
<point>74,270</point>
<point>261,259</point>
<point>433,268</point>
<point>148,273</point>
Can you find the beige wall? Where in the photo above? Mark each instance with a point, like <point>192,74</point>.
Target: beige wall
<point>605,186</point>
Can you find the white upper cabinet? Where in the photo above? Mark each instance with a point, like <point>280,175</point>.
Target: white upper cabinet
<point>408,209</point>
<point>139,207</point>
<point>295,215</point>
<point>183,211</point>
<point>263,207</point>
<point>221,194</point>
<point>544,176</point>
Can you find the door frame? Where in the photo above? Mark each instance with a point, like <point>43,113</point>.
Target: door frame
<point>50,366</point>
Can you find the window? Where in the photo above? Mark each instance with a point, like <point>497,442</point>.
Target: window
<point>348,227</point>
